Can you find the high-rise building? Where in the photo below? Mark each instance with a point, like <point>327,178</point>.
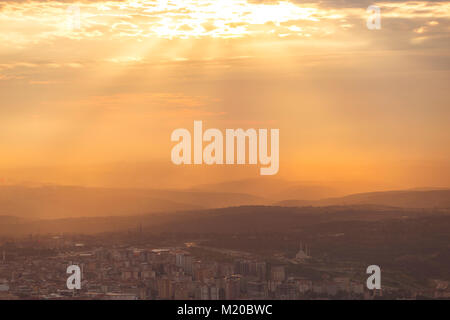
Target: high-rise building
<point>278,273</point>
<point>165,288</point>
<point>233,287</point>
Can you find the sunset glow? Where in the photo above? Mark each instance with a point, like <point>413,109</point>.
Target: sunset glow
<point>96,82</point>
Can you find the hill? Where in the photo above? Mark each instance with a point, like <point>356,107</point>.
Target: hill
<point>232,220</point>
<point>401,198</point>
<point>68,201</point>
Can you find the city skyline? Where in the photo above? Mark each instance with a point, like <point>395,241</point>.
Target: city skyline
<point>229,150</point>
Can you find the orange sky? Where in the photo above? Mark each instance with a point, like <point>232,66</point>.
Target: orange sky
<point>351,103</point>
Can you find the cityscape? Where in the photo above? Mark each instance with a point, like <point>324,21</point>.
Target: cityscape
<point>220,150</point>
<point>35,268</point>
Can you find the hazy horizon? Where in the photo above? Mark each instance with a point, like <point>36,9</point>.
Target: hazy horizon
<point>368,108</point>
<point>164,175</point>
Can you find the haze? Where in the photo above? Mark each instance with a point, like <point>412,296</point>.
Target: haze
<point>356,108</point>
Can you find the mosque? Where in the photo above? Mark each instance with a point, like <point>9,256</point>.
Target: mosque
<point>303,254</point>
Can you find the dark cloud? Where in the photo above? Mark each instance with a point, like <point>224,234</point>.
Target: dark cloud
<point>342,3</point>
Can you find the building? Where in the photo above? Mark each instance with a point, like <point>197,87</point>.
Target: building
<point>233,287</point>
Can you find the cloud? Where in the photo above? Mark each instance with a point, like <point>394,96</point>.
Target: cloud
<point>24,23</point>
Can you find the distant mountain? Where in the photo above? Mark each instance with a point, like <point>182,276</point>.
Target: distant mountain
<point>427,189</point>
<point>11,220</point>
<point>233,220</point>
<point>402,198</point>
<point>272,188</point>
<point>66,201</point>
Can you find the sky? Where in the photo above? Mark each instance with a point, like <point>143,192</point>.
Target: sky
<point>102,84</point>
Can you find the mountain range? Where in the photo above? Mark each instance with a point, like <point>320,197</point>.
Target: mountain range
<point>401,198</point>
<point>51,202</point>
